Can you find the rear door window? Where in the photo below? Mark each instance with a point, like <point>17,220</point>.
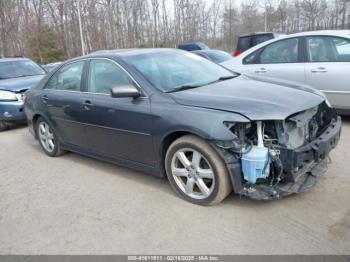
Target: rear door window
<point>68,78</point>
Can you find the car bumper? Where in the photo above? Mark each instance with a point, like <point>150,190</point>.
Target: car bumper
<point>302,165</point>
<point>12,111</point>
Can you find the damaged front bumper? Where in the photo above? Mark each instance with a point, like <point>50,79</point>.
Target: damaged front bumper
<point>300,166</point>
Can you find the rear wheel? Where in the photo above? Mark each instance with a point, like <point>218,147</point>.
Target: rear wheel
<point>196,172</point>
<point>47,138</point>
<point>3,126</point>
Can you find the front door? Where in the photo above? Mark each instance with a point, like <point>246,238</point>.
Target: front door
<point>281,59</point>
<point>116,127</point>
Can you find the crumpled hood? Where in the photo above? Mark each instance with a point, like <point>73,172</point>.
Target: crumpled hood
<point>255,98</point>
<point>20,83</point>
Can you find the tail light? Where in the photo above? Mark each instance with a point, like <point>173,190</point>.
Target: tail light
<point>236,53</point>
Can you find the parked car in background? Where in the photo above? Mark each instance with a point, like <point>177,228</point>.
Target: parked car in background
<point>193,46</point>
<point>320,59</point>
<point>217,56</point>
<point>249,40</point>
<point>16,76</point>
<point>49,67</point>
<point>173,113</point>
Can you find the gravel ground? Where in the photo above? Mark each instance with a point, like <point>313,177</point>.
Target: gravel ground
<point>77,205</point>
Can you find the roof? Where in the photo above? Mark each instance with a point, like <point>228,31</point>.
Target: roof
<point>134,51</point>
<point>207,51</point>
<point>324,32</point>
<point>9,59</point>
<point>259,33</point>
<point>192,43</point>
<point>113,51</point>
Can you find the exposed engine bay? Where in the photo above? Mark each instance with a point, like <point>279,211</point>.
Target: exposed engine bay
<point>279,158</point>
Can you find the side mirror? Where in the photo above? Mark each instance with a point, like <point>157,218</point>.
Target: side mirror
<point>125,91</point>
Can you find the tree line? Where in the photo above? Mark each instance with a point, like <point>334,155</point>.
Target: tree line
<point>49,30</point>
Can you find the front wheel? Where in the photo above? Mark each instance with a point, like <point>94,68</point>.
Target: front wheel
<point>47,138</point>
<point>196,171</point>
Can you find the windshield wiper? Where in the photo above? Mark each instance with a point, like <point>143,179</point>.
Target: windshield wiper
<point>222,78</point>
<point>185,87</point>
<point>181,88</point>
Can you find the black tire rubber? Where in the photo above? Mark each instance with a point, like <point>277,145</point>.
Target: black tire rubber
<point>57,149</point>
<point>3,126</point>
<point>222,186</point>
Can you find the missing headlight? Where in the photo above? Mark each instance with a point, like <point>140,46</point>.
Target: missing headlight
<point>239,144</point>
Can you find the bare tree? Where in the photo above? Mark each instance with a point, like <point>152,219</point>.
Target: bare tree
<point>28,26</point>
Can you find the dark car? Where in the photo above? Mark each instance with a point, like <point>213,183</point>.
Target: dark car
<point>217,56</point>
<point>247,41</point>
<point>209,130</point>
<point>193,46</point>
<point>16,76</point>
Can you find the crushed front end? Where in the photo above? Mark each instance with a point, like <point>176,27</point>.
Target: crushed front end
<point>273,159</point>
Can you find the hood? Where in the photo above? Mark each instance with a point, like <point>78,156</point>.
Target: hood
<point>20,83</point>
<point>256,99</point>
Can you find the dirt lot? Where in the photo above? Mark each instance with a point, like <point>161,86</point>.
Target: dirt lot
<point>77,205</point>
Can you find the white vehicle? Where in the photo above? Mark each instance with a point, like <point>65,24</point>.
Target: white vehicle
<point>320,59</point>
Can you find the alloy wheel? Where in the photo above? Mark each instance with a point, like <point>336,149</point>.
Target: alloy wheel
<point>46,136</point>
<point>192,173</point>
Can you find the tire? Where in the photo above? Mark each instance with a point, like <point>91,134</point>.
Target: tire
<point>3,126</point>
<point>51,148</point>
<point>203,165</point>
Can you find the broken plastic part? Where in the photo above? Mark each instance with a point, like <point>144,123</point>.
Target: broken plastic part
<point>255,163</point>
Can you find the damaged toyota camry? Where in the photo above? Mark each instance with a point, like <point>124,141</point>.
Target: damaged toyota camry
<point>174,114</point>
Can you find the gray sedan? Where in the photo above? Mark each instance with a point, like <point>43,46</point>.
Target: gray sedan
<point>320,59</point>
<point>172,113</point>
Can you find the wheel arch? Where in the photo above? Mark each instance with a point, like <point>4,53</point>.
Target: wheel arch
<point>167,140</point>
<point>35,118</point>
<point>34,121</point>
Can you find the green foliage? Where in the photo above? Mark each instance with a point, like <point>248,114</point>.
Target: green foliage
<point>44,46</point>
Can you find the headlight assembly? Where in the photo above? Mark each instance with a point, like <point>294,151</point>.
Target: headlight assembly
<point>7,96</point>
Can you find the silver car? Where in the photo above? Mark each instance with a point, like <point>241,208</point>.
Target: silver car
<point>320,59</point>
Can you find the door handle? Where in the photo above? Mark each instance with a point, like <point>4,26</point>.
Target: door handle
<point>44,98</point>
<point>260,70</point>
<point>87,104</point>
<point>319,70</point>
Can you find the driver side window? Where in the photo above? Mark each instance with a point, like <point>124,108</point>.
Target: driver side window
<point>104,74</point>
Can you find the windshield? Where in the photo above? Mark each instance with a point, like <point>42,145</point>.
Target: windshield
<point>171,70</point>
<point>219,56</point>
<point>19,68</point>
<point>262,38</point>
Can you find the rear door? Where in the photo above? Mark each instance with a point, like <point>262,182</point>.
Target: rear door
<point>62,101</point>
<point>328,68</point>
<point>282,59</point>
<point>116,127</point>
